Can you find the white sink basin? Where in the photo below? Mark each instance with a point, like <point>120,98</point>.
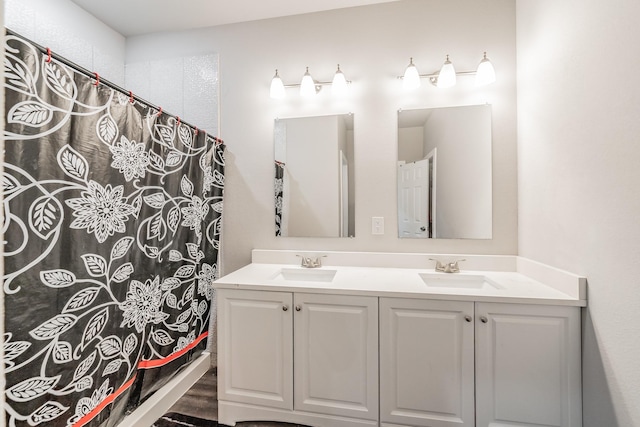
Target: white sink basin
<point>305,275</point>
<point>458,281</point>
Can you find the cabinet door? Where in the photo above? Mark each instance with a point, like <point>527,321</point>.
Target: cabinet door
<point>426,362</point>
<point>528,365</point>
<point>255,347</point>
<point>336,355</point>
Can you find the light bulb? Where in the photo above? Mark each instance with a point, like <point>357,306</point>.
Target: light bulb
<point>485,74</point>
<point>277,87</point>
<point>307,86</point>
<point>411,79</point>
<point>339,83</point>
<point>447,75</point>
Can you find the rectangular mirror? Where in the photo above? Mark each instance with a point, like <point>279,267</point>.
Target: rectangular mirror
<point>444,173</point>
<point>314,191</point>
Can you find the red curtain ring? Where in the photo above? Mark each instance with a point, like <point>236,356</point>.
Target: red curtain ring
<point>131,100</point>
<point>97,79</point>
<point>178,117</point>
<point>48,55</point>
<point>196,131</point>
<point>160,111</point>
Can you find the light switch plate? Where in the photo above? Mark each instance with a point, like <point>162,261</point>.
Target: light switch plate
<point>377,225</point>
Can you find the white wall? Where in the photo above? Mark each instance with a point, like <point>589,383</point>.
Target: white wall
<point>579,178</point>
<point>313,185</point>
<point>372,44</point>
<point>463,170</point>
<point>412,147</point>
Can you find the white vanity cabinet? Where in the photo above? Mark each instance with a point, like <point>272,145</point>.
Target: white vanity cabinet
<point>255,347</point>
<point>426,362</point>
<point>526,357</point>
<point>336,355</point>
<point>528,365</point>
<point>297,357</point>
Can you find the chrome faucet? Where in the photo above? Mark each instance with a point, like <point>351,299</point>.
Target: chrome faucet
<point>449,267</point>
<point>309,262</point>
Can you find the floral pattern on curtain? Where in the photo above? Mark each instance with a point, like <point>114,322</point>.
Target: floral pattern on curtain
<point>279,192</point>
<point>112,215</point>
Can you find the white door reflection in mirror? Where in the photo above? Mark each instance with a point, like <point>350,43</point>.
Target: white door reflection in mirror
<point>416,198</point>
<point>314,193</point>
<point>453,199</point>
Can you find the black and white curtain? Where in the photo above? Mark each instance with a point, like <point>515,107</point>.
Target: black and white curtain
<point>112,215</point>
<point>279,195</point>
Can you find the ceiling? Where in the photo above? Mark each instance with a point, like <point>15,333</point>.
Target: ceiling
<point>135,17</point>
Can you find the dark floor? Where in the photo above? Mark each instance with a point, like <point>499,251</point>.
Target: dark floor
<point>202,401</point>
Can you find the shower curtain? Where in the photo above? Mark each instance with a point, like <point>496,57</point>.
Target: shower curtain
<point>112,214</point>
<point>279,195</point>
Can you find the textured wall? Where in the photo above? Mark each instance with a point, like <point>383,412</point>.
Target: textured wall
<point>185,86</point>
<point>578,151</point>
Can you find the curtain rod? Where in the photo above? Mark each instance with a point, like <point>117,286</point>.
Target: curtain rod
<point>95,75</point>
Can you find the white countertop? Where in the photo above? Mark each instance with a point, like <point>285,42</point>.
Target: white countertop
<point>514,286</point>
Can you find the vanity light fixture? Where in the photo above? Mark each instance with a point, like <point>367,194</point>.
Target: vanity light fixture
<point>277,87</point>
<point>411,78</point>
<point>339,83</point>
<point>485,74</point>
<point>447,76</point>
<point>309,87</point>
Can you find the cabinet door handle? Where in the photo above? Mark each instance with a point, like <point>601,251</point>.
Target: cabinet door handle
<point>285,308</point>
<point>298,308</point>
<point>484,319</point>
<point>468,318</point>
